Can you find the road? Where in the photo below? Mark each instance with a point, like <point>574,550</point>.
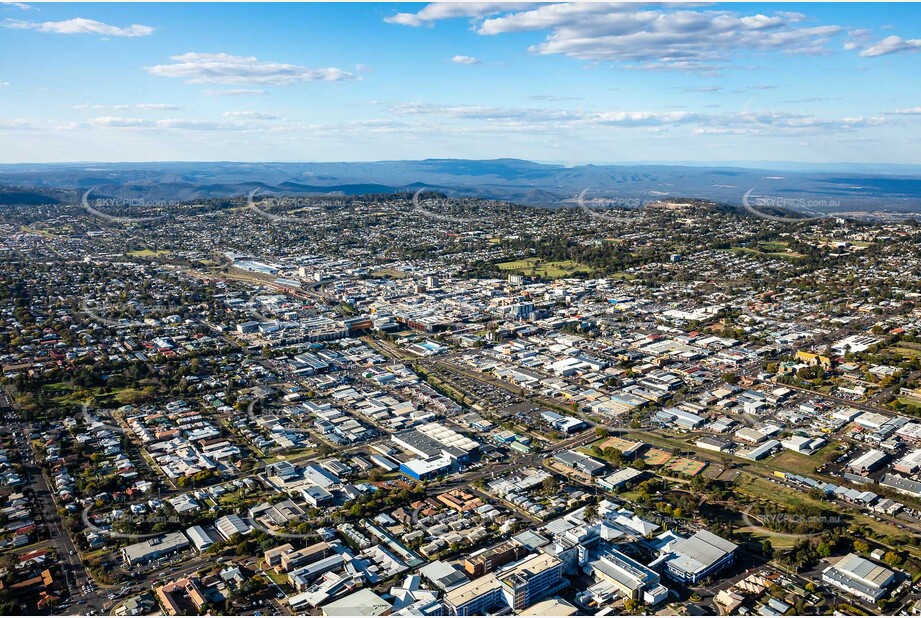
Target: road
<point>67,555</point>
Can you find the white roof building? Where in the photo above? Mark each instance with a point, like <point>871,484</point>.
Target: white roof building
<point>229,525</point>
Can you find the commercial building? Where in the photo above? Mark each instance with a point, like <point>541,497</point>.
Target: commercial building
<point>492,558</point>
<point>181,597</point>
<point>435,440</point>
<point>425,469</point>
<point>307,555</point>
<point>620,479</point>
<point>551,607</point>
<point>531,580</point>
<point>714,443</point>
<point>154,548</point>
<point>362,603</point>
<point>482,596</point>
<point>624,574</point>
<point>300,579</point>
<point>581,463</point>
<point>701,555</point>
<point>443,575</point>
<point>902,485</point>
<point>229,525</point>
<point>868,462</point>
<point>860,577</point>
<point>759,452</point>
<point>200,538</point>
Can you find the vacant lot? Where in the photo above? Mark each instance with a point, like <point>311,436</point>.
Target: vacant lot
<point>904,351</point>
<point>539,268</point>
<point>150,252</point>
<point>763,249</point>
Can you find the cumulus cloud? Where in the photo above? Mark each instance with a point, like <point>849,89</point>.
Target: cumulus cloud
<point>203,68</point>
<point>80,25</point>
<point>448,10</point>
<point>464,60</point>
<point>891,45</point>
<point>128,106</point>
<point>646,38</point>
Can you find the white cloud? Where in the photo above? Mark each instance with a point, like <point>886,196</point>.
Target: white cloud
<point>20,5</point>
<point>4,84</point>
<point>127,106</point>
<point>464,60</point>
<point>251,115</point>
<point>537,119</point>
<point>18,125</point>
<point>643,38</point>
<point>909,111</point>
<point>448,10</point>
<point>891,45</point>
<point>203,68</point>
<point>477,112</point>
<point>117,122</point>
<point>233,92</point>
<point>80,25</point>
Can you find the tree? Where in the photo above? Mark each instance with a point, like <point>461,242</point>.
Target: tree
<point>861,546</point>
<point>591,513</point>
<point>892,558</point>
<point>550,485</point>
<point>601,432</point>
<point>823,549</point>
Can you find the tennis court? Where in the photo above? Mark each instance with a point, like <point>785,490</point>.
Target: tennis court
<point>687,467</point>
<point>656,457</point>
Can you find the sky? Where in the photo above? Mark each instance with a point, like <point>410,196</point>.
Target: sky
<point>555,82</point>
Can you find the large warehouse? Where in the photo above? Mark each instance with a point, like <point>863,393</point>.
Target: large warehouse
<point>154,548</point>
<point>860,577</point>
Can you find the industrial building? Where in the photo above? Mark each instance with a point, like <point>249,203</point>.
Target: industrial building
<point>200,538</point>
<point>154,548</point>
<point>229,525</point>
<point>859,577</point>
<point>868,462</point>
<point>582,463</point>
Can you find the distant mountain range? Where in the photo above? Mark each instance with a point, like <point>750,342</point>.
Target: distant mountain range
<point>525,182</point>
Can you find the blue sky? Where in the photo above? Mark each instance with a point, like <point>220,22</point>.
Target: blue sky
<point>561,82</point>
